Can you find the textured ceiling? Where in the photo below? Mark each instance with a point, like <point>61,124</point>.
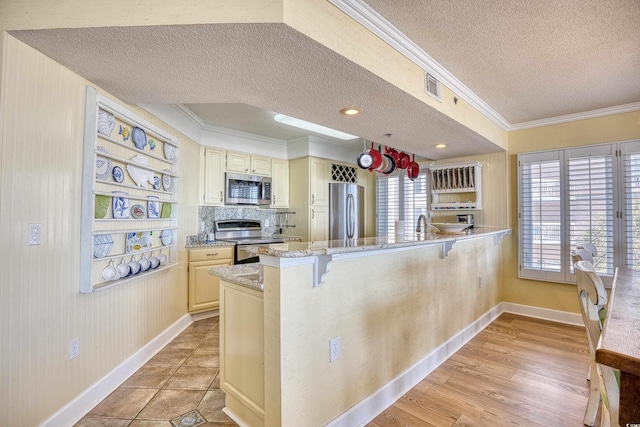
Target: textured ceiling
<point>527,60</point>
<point>269,66</point>
<point>530,60</point>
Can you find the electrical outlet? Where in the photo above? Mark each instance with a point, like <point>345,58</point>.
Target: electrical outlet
<point>74,348</point>
<point>334,349</point>
<point>35,231</point>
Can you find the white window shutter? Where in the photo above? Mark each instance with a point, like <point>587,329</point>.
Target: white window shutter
<point>631,204</point>
<point>590,202</point>
<point>540,216</point>
<point>388,204</point>
<point>399,198</point>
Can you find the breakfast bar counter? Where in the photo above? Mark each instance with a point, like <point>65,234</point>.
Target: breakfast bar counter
<point>397,306</point>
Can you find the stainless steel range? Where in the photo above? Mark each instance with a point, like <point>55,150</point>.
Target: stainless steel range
<point>244,233</point>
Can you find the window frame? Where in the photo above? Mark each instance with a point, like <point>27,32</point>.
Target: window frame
<point>403,205</point>
<point>621,240</point>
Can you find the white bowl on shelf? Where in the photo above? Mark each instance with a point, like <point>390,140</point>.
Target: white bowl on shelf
<point>450,227</point>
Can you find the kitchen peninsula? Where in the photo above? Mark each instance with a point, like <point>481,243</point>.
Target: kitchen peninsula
<point>397,306</point>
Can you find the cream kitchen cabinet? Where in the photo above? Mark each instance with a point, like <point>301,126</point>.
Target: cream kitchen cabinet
<point>320,174</point>
<point>309,197</point>
<point>319,224</point>
<point>246,163</point>
<point>212,177</point>
<point>279,183</point>
<point>242,345</point>
<point>204,288</point>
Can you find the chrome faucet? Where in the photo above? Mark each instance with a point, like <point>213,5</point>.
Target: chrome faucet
<point>422,218</point>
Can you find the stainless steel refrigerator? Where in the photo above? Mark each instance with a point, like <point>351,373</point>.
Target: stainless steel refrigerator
<point>346,211</point>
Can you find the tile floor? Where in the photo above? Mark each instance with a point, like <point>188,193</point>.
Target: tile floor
<point>178,387</point>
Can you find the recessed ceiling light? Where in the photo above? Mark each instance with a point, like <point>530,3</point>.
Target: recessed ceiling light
<point>350,111</point>
<point>441,145</point>
<point>302,124</point>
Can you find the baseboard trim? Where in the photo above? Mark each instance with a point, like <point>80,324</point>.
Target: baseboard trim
<point>97,392</point>
<point>543,313</point>
<point>369,408</point>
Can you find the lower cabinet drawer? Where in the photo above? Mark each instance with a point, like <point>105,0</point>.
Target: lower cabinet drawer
<point>211,253</point>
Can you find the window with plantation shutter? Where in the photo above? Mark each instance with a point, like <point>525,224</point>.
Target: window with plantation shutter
<point>590,203</point>
<point>630,213</point>
<point>399,198</point>
<point>576,195</point>
<point>414,201</point>
<point>387,204</point>
<point>540,216</point>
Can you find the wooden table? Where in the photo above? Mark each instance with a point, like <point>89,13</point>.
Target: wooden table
<point>619,345</point>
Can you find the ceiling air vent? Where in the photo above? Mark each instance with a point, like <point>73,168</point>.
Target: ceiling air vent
<point>432,86</point>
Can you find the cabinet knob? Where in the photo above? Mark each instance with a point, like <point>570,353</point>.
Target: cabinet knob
<point>313,199</point>
<point>214,254</point>
<point>246,170</point>
<point>221,196</point>
<point>313,214</point>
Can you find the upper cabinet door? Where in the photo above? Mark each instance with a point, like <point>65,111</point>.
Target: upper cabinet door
<point>213,177</point>
<point>261,165</point>
<point>320,170</point>
<point>238,162</point>
<point>280,183</point>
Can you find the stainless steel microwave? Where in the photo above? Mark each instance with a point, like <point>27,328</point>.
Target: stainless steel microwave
<point>242,189</point>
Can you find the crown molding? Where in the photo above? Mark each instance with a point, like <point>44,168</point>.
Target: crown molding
<point>225,131</point>
<point>377,24</point>
<point>619,109</point>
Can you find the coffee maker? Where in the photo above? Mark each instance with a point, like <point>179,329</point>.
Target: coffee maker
<point>466,219</point>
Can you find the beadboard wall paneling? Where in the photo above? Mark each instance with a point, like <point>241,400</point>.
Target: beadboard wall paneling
<point>495,189</point>
<point>41,309</point>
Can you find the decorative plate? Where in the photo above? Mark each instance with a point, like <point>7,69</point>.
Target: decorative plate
<point>153,207</point>
<point>118,174</point>
<point>156,182</point>
<point>169,151</point>
<point>120,206</point>
<point>138,211</point>
<point>166,210</point>
<point>101,206</point>
<point>102,244</point>
<point>106,122</point>
<point>138,241</point>
<point>103,164</point>
<point>166,237</point>
<point>140,175</point>
<point>124,132</point>
<point>139,138</point>
<point>167,181</point>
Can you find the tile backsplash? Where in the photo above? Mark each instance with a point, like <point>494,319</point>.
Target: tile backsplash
<point>209,214</point>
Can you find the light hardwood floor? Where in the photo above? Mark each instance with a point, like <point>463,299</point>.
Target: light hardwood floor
<point>519,371</point>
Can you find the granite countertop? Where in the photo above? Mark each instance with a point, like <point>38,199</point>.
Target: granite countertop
<point>207,244</point>
<point>248,275</point>
<point>329,247</point>
<point>288,237</point>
